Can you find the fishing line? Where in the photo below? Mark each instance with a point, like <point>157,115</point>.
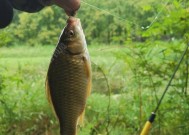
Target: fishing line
<point>109,97</point>
<point>124,19</point>
<point>156,17</point>
<point>105,11</point>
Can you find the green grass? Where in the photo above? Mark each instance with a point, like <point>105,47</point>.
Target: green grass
<point>24,106</point>
<point>23,70</point>
<point>24,109</point>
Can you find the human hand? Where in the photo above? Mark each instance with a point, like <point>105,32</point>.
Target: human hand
<point>70,6</point>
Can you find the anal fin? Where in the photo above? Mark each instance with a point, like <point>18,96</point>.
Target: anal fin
<point>81,118</point>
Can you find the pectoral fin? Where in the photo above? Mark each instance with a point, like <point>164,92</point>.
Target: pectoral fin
<point>89,74</point>
<point>87,66</point>
<point>81,118</point>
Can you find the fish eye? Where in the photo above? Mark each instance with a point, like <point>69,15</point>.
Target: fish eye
<point>70,33</point>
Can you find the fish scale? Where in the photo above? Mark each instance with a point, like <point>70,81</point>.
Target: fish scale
<point>68,80</point>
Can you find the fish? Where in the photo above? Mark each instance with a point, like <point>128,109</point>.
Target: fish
<point>68,81</point>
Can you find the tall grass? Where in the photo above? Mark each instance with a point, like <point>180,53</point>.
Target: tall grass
<point>136,75</point>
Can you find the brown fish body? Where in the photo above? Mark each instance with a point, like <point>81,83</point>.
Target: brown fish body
<point>69,81</point>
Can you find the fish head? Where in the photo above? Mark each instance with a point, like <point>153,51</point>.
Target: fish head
<point>73,38</point>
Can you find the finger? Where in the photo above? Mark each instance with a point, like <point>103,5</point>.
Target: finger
<point>70,6</point>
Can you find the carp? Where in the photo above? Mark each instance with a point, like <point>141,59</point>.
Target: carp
<point>68,82</point>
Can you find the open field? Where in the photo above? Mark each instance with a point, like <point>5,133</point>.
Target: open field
<point>136,74</point>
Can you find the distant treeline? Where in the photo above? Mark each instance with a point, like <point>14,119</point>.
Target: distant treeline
<point>125,21</point>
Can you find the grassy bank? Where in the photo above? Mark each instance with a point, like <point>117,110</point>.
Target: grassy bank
<point>136,74</point>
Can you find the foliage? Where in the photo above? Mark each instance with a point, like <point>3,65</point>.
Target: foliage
<point>173,25</point>
<point>34,29</point>
<point>137,74</point>
<point>107,22</point>
<point>5,38</point>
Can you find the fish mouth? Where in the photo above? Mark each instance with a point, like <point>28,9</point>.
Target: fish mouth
<point>73,21</point>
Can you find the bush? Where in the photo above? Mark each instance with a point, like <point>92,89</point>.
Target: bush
<point>6,38</point>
